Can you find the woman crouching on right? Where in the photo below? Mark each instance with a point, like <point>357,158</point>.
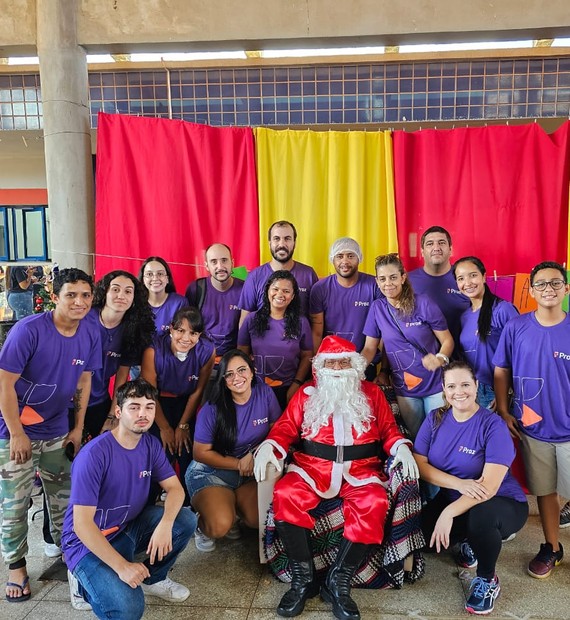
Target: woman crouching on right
<point>467,450</point>
<point>229,428</point>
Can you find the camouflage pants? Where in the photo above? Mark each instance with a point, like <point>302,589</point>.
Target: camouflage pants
<point>16,485</point>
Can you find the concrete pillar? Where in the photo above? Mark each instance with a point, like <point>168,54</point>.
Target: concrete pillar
<point>67,138</point>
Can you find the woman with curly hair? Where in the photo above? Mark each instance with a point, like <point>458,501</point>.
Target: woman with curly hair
<point>278,337</point>
<point>163,299</point>
<point>122,315</point>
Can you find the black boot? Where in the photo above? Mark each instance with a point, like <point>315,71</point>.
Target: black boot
<point>296,541</point>
<point>336,589</point>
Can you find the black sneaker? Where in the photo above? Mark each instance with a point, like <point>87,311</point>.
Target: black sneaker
<point>465,556</point>
<point>565,516</point>
<point>546,559</point>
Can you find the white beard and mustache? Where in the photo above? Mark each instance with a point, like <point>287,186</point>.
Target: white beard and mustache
<point>337,391</point>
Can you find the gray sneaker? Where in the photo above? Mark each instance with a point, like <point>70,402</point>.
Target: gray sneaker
<point>565,516</point>
<point>77,601</point>
<point>167,590</point>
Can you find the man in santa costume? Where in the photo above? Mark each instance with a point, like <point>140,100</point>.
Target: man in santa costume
<point>340,423</point>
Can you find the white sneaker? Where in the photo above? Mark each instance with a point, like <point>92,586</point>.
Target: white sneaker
<point>203,543</point>
<point>52,550</point>
<point>234,532</point>
<point>77,601</point>
<point>167,590</point>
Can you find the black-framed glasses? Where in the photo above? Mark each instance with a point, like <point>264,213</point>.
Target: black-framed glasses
<point>241,372</point>
<point>555,285</point>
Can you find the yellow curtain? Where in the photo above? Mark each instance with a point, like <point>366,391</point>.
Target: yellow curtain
<point>330,184</point>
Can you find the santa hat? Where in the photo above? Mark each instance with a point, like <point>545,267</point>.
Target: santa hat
<point>335,347</point>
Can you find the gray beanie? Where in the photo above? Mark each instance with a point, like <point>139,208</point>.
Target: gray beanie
<point>345,244</point>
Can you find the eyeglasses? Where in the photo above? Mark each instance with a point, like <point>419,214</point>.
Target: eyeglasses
<point>149,275</point>
<point>231,375</point>
<point>555,285</point>
<point>343,362</point>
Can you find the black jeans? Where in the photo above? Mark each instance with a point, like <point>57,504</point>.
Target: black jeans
<point>484,527</point>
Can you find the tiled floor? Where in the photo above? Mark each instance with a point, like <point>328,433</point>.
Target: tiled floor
<point>229,583</point>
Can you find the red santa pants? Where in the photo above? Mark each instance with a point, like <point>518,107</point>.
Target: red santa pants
<point>364,508</point>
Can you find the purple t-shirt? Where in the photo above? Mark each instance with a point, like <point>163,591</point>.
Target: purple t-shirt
<point>251,298</point>
<point>276,358</point>
<point>221,312</point>
<point>49,366</point>
<point>462,448</point>
<point>164,314</point>
<point>345,309</point>
<point>117,481</point>
<point>443,290</point>
<point>111,356</point>
<point>253,419</point>
<point>539,358</point>
<point>175,376</point>
<point>480,354</point>
<point>409,377</point>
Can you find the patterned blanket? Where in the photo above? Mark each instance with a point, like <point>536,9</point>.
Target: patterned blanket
<point>384,566</point>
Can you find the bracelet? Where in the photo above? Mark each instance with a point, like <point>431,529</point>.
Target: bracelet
<point>184,427</point>
<point>443,357</point>
<point>297,381</point>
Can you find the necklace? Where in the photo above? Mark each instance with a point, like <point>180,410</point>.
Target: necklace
<point>110,330</point>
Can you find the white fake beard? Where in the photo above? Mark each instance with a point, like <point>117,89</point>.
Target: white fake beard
<point>339,391</point>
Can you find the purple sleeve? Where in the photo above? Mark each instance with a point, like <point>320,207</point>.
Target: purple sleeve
<point>86,477</point>
<point>422,441</point>
<point>248,297</point>
<point>161,468</point>
<point>18,349</point>
<point>499,447</point>
<point>371,327</point>
<point>503,353</point>
<point>316,298</point>
<point>306,341</point>
<point>505,312</point>
<point>205,425</point>
<point>96,353</point>
<point>432,315</point>
<point>244,337</point>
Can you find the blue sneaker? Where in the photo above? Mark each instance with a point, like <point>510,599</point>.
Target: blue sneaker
<point>465,556</point>
<point>482,595</point>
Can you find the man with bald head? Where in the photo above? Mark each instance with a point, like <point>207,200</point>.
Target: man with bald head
<point>217,298</point>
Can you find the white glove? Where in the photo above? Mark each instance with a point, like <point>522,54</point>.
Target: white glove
<point>409,466</point>
<point>263,456</point>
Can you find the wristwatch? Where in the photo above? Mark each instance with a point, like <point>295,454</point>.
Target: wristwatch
<point>184,427</point>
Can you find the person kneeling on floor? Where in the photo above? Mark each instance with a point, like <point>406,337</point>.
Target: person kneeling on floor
<point>341,423</point>
<point>107,522</point>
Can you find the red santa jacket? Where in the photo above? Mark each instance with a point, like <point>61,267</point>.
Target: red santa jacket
<point>326,477</point>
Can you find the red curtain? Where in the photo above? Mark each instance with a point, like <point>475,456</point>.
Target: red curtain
<point>171,188</point>
<point>501,191</point>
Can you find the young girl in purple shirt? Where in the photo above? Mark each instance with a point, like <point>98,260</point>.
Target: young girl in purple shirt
<point>179,364</point>
<point>467,450</point>
<point>229,427</point>
<point>279,337</point>
<point>482,324</point>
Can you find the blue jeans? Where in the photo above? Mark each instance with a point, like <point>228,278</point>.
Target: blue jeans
<point>485,395</point>
<point>21,303</point>
<point>100,585</point>
<point>415,410</point>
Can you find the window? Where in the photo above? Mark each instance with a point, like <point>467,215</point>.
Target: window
<point>23,233</point>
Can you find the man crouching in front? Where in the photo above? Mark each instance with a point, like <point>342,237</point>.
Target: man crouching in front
<point>108,522</point>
